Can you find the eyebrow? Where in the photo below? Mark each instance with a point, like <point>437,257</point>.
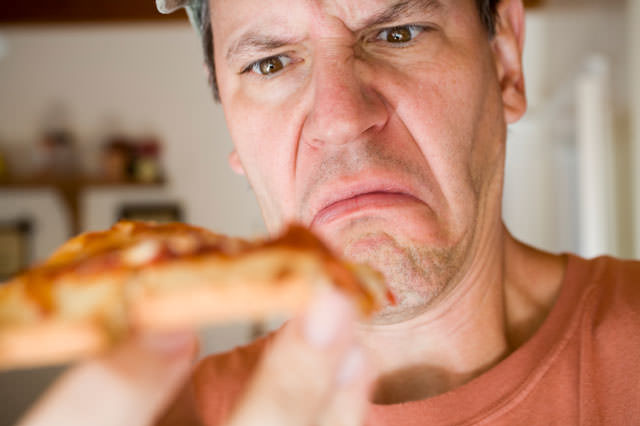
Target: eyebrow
<point>253,41</point>
<point>402,8</point>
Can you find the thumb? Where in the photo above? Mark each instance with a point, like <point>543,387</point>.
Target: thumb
<point>130,386</point>
<point>349,403</point>
<point>300,371</point>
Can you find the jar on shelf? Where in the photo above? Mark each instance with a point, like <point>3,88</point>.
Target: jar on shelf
<point>56,155</point>
<point>117,159</point>
<point>147,161</point>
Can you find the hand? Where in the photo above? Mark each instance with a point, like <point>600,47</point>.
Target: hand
<point>130,386</point>
<point>313,374</point>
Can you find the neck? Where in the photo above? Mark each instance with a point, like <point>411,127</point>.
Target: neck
<point>472,328</point>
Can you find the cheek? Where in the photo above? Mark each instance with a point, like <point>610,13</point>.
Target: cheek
<point>441,118</point>
<point>448,106</point>
<point>487,155</point>
<point>265,143</point>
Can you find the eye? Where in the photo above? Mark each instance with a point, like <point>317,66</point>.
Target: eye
<point>268,66</point>
<point>400,35</point>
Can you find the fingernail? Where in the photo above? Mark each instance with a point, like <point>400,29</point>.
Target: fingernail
<point>352,365</point>
<point>169,343</point>
<point>326,315</point>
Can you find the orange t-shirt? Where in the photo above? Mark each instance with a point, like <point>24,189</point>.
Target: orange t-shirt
<point>582,366</point>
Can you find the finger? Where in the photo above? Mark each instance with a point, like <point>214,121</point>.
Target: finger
<point>349,404</point>
<point>298,372</point>
<point>129,386</point>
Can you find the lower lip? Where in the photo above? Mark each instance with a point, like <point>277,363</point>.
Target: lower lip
<point>360,203</point>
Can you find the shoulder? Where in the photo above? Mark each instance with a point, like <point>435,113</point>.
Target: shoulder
<point>616,281</point>
<point>219,380</point>
<point>609,332</point>
<point>614,302</point>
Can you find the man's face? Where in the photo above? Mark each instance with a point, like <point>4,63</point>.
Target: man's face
<point>378,123</point>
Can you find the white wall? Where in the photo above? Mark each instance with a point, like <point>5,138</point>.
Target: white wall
<point>137,78</point>
<point>634,84</point>
<point>541,203</point>
<point>559,35</point>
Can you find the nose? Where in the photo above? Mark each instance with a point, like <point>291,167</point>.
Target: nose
<point>345,104</point>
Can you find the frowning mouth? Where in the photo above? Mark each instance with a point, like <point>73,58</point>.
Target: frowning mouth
<point>360,204</point>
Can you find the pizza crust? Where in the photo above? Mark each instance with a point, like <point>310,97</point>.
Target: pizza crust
<point>141,277</point>
<point>204,305</point>
<point>50,342</point>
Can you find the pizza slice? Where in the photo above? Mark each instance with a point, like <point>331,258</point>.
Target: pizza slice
<point>100,286</point>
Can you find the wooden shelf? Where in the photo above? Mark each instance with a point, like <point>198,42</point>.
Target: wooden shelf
<point>70,190</point>
<point>83,182</point>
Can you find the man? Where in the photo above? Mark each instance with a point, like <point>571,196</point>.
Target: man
<point>381,125</point>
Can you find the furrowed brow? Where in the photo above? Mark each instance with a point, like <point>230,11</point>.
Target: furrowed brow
<point>253,42</point>
<point>401,9</point>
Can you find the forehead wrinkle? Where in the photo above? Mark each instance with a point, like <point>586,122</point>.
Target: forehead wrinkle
<point>258,32</point>
<point>383,15</point>
<point>403,8</point>
<point>254,41</point>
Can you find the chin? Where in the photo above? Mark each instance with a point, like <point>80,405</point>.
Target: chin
<point>417,270</point>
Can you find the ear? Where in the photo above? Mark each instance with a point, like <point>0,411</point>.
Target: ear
<point>234,162</point>
<point>507,46</point>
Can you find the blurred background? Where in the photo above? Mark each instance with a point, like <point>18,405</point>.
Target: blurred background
<point>105,113</point>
